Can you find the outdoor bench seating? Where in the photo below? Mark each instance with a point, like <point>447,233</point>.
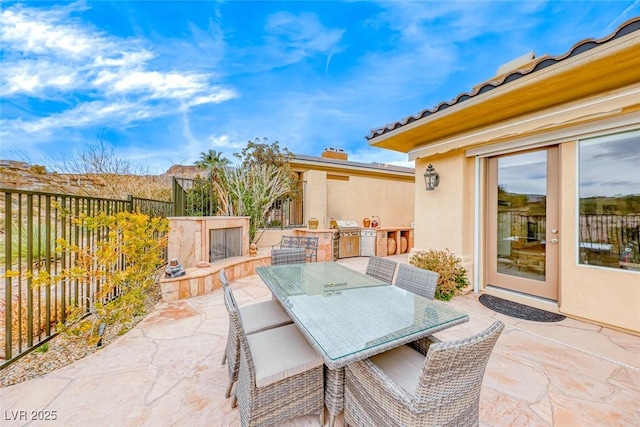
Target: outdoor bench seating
<point>309,244</point>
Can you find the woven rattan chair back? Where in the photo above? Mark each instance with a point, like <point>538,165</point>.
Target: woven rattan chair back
<point>223,278</point>
<point>236,321</point>
<point>417,280</point>
<point>447,394</point>
<point>449,386</point>
<point>381,268</point>
<point>271,404</point>
<point>288,256</point>
<point>232,349</point>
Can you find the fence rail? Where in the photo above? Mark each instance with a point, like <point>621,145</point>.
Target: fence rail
<point>195,197</point>
<point>32,223</point>
<point>609,240</point>
<point>604,239</point>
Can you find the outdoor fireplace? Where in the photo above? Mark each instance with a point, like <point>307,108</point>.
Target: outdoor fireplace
<point>225,243</point>
<point>207,239</point>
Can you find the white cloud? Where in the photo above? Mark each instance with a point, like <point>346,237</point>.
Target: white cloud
<point>32,76</point>
<point>38,31</point>
<point>86,114</point>
<point>225,141</point>
<point>291,38</point>
<point>48,54</point>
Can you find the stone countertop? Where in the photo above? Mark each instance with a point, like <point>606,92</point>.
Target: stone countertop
<point>316,230</point>
<point>392,228</point>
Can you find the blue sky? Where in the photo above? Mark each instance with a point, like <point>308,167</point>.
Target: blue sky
<point>163,81</point>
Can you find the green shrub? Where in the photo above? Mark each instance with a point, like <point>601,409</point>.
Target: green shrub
<point>125,263</point>
<point>20,243</point>
<point>453,276</point>
<point>43,348</point>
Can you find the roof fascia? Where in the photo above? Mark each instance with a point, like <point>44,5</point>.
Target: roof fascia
<point>297,163</point>
<point>403,139</point>
<point>611,104</point>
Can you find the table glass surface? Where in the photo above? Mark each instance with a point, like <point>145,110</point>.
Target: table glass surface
<point>346,312</point>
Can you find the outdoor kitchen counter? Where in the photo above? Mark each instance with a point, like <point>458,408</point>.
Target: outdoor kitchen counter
<point>400,235</point>
<point>325,240</point>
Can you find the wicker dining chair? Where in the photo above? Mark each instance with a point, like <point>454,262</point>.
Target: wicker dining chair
<point>288,256</point>
<point>404,387</point>
<point>257,317</point>
<point>417,280</point>
<point>381,268</point>
<point>281,376</point>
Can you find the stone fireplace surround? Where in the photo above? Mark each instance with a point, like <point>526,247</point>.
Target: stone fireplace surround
<point>189,244</point>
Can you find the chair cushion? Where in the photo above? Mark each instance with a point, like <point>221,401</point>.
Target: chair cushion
<point>403,365</point>
<point>262,316</point>
<point>281,353</point>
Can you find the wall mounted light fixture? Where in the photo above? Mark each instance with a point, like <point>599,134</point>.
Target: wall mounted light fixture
<point>431,178</point>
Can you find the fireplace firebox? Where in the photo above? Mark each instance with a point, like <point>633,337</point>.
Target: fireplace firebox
<point>225,243</point>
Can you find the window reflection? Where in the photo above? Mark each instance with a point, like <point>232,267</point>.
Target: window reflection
<point>609,222</point>
<point>522,210</point>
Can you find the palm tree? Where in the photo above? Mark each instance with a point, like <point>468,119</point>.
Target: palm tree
<point>212,161</point>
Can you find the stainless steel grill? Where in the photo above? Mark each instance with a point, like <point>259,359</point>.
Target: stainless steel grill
<point>349,237</point>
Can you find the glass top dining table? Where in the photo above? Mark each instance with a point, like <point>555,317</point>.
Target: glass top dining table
<point>347,315</point>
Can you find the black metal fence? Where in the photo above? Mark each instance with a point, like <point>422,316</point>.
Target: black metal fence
<point>32,224</point>
<point>196,197</point>
<point>610,240</point>
<point>605,240</point>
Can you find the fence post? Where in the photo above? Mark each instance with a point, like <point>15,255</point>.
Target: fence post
<point>7,280</point>
<point>177,197</point>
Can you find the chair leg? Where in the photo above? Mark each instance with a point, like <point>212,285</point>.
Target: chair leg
<point>322,417</point>
<point>234,401</point>
<point>228,392</point>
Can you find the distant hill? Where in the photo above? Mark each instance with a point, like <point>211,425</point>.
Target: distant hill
<point>184,171</point>
<point>25,176</point>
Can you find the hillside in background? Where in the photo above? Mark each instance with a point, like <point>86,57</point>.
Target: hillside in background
<point>24,176</point>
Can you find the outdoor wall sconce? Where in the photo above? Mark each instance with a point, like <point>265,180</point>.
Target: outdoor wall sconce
<point>431,178</point>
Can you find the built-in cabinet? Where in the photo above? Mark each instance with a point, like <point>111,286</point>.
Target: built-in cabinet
<point>393,240</point>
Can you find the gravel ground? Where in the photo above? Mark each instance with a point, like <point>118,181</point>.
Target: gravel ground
<point>64,349</point>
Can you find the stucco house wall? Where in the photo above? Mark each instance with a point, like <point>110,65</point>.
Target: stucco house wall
<point>605,295</point>
<point>347,190</point>
<point>592,91</point>
<point>360,197</point>
<point>443,220</point>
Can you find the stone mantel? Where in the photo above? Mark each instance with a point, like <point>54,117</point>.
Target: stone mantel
<point>189,236</point>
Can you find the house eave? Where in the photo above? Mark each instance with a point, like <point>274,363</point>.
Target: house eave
<point>604,68</point>
<point>350,168</point>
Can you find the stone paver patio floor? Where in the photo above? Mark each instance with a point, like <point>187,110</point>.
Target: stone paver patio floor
<point>167,372</point>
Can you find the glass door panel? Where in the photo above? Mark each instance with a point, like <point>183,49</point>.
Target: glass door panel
<point>522,241</point>
<point>522,208</point>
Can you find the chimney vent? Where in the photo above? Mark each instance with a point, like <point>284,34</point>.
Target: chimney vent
<point>334,153</point>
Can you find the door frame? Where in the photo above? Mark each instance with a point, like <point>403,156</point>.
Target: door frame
<point>549,288</point>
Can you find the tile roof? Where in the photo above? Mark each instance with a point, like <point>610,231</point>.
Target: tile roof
<point>537,65</point>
